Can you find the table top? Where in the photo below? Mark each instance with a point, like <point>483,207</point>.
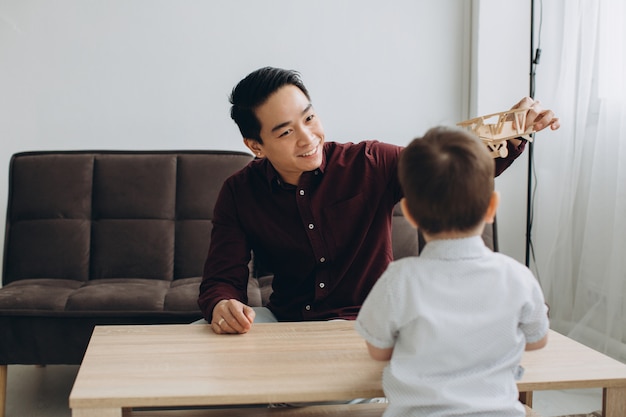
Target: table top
<point>566,364</point>
<point>187,365</point>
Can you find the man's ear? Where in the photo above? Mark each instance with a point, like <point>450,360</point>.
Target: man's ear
<point>254,146</point>
<point>407,214</point>
<point>494,201</point>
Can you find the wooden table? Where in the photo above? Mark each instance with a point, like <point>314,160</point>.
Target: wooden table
<point>188,365</point>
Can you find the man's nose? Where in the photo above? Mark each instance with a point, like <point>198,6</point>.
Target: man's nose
<point>306,135</point>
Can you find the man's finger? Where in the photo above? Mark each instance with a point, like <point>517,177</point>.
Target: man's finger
<point>544,120</point>
<point>250,313</point>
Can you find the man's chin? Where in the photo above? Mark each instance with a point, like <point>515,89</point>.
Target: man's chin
<point>312,164</point>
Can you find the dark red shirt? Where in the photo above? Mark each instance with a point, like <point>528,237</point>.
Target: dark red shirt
<point>326,241</point>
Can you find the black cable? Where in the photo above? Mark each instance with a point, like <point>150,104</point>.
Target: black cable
<point>532,214</point>
<point>535,56</point>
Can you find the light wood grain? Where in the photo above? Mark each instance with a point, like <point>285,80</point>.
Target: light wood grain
<point>565,364</point>
<point>337,410</point>
<point>189,365</point>
<point>614,402</point>
<point>97,412</point>
<point>133,366</point>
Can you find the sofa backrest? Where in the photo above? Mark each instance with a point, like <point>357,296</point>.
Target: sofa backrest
<point>84,215</point>
<point>87,215</point>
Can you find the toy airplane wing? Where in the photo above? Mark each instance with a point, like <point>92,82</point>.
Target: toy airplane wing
<point>496,128</point>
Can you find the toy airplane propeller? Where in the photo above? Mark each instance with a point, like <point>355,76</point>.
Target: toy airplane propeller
<point>495,129</point>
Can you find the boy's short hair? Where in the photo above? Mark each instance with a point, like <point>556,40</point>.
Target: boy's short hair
<point>253,91</point>
<point>447,178</point>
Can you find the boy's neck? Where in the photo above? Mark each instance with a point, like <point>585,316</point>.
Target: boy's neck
<point>455,234</point>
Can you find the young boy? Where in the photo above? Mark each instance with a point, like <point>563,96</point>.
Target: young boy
<point>454,321</point>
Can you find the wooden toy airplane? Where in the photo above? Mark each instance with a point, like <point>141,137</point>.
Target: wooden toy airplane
<point>495,129</point>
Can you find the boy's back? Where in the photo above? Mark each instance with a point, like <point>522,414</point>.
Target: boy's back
<point>452,316</point>
<point>455,321</point>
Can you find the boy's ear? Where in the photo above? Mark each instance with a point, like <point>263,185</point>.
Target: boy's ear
<point>494,201</point>
<point>254,146</point>
<point>407,214</point>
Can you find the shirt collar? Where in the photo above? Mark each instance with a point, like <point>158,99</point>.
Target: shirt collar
<point>448,249</point>
<point>273,177</point>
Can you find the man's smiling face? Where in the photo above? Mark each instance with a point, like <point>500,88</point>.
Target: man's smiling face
<point>292,134</point>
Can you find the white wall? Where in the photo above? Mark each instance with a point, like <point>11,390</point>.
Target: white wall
<point>500,79</point>
<point>156,74</point>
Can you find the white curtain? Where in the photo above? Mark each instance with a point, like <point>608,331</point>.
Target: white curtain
<point>579,216</point>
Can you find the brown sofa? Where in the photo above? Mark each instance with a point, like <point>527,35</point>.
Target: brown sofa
<point>112,237</point>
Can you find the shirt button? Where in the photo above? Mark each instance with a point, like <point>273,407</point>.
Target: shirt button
<point>307,307</point>
<point>301,192</point>
<point>322,285</point>
<point>311,226</point>
<point>322,259</point>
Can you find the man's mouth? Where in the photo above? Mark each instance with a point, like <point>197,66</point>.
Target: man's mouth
<point>309,153</point>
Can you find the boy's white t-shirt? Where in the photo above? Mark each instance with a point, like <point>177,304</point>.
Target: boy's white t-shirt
<point>458,317</point>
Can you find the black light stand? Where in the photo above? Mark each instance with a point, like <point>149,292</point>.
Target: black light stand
<point>534,59</point>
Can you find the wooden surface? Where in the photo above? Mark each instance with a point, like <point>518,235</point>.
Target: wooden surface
<point>565,363</point>
<point>132,366</point>
<point>3,389</point>
<point>337,410</point>
<point>189,365</point>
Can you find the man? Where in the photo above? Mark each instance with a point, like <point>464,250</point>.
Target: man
<point>316,214</point>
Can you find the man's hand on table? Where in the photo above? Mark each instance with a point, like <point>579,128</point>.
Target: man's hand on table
<point>231,317</point>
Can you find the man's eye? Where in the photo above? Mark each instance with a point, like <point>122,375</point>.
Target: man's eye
<point>310,117</point>
<point>285,133</point>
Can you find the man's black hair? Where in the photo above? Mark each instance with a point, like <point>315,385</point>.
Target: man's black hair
<point>253,91</point>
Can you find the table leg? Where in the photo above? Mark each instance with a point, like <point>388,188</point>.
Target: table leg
<point>614,402</point>
<point>96,412</point>
<point>3,388</point>
<point>526,398</point>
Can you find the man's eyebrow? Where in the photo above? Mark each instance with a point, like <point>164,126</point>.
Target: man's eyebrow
<point>282,125</point>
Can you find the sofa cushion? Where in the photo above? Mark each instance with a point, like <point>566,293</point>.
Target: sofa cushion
<point>183,295</point>
<point>119,295</point>
<point>37,295</point>
<point>114,296</point>
<point>47,248</point>
<point>140,248</point>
